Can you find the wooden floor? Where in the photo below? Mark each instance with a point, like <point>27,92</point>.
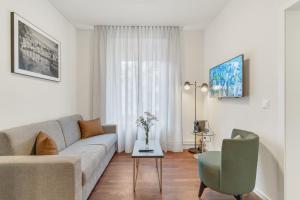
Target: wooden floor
<point>180,180</point>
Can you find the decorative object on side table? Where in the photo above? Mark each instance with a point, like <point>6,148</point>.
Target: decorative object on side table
<point>205,133</point>
<point>33,52</point>
<point>204,89</point>
<point>146,121</point>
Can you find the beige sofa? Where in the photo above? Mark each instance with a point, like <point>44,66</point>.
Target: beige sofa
<point>71,175</point>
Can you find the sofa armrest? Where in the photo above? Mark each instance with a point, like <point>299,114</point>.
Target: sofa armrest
<point>40,177</point>
<point>110,128</point>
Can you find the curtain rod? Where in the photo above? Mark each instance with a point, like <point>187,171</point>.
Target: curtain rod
<point>138,26</point>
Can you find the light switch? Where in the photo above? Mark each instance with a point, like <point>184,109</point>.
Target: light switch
<point>265,104</point>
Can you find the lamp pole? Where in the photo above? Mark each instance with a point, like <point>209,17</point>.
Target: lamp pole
<point>195,116</point>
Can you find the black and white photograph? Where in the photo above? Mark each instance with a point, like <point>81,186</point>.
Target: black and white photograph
<point>35,53</point>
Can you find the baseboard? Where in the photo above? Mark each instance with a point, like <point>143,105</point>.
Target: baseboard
<point>191,144</point>
<point>175,146</point>
<point>261,195</point>
<point>188,144</point>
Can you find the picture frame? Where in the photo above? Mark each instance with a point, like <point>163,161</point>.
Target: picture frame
<point>34,52</point>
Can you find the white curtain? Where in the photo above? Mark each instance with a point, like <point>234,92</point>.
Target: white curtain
<point>138,69</point>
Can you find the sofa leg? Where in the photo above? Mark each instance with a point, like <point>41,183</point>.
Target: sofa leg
<point>201,189</point>
<point>238,197</point>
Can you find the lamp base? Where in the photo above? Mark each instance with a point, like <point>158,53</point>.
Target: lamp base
<point>195,150</point>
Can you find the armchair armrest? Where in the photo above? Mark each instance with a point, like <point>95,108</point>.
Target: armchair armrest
<point>110,128</point>
<point>40,177</point>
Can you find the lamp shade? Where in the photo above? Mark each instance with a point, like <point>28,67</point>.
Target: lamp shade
<point>187,85</point>
<point>204,87</point>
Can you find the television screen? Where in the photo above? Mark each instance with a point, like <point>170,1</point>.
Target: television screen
<point>226,79</point>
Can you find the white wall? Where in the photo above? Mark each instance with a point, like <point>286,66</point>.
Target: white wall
<point>292,103</point>
<point>250,27</point>
<point>25,99</point>
<point>84,64</point>
<point>192,71</point>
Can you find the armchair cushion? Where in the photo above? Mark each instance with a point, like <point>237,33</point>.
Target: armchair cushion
<point>209,169</point>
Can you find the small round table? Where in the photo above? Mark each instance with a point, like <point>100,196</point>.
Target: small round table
<point>204,136</point>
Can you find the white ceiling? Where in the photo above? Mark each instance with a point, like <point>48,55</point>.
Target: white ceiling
<point>191,14</point>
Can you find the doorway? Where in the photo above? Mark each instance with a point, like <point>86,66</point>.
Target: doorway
<point>292,101</point>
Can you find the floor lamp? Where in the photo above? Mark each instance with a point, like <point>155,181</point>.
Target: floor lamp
<point>203,88</point>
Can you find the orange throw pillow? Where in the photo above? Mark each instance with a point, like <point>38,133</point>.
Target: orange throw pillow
<point>90,128</point>
<point>45,145</point>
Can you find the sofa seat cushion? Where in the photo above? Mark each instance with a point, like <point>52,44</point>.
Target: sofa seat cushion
<point>107,140</point>
<point>209,169</point>
<point>91,157</point>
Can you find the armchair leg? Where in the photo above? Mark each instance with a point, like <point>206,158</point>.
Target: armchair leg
<point>201,189</point>
<point>238,197</point>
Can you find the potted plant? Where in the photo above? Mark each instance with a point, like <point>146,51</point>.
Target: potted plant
<point>146,121</point>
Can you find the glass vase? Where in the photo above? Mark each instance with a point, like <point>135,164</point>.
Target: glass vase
<point>147,141</point>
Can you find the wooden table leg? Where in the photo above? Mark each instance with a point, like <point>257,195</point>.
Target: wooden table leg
<point>158,169</point>
<point>137,169</point>
<point>160,174</point>
<point>134,180</point>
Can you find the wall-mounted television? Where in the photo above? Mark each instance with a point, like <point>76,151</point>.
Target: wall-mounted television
<point>226,79</point>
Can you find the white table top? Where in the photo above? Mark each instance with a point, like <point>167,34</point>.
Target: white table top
<point>153,144</point>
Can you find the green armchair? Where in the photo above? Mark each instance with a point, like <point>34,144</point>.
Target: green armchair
<point>233,170</point>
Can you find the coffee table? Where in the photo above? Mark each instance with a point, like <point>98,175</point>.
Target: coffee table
<point>157,154</point>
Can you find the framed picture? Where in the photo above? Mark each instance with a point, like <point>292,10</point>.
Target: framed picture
<point>34,52</point>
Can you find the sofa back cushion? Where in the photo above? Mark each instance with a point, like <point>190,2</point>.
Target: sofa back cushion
<point>21,140</point>
<point>70,128</point>
<point>90,128</point>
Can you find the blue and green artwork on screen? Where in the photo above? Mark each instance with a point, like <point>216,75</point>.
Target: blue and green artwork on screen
<point>226,80</point>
